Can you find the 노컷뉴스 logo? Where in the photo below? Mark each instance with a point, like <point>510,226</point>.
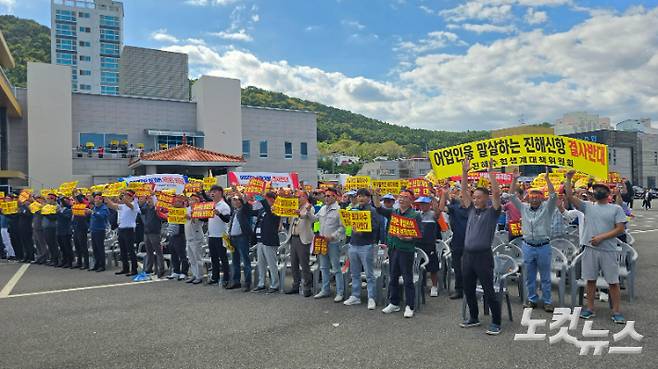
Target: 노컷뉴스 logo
<point>562,316</point>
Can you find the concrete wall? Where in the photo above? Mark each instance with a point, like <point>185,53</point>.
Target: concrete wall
<point>620,159</point>
<point>276,126</point>
<point>129,115</point>
<point>649,174</point>
<point>49,135</point>
<point>17,140</point>
<point>153,73</point>
<point>97,171</point>
<point>387,169</point>
<point>219,113</point>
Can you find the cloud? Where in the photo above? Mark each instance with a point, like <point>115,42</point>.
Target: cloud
<point>8,5</point>
<point>162,36</point>
<point>210,2</point>
<point>433,41</point>
<point>426,9</point>
<point>240,35</point>
<point>478,10</point>
<point>353,24</point>
<point>311,28</point>
<point>488,28</point>
<point>255,18</point>
<point>535,17</point>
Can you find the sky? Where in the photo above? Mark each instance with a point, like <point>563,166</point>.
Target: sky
<point>443,64</point>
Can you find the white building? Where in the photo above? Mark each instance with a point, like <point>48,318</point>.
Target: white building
<point>87,35</point>
<point>642,125</point>
<point>576,122</point>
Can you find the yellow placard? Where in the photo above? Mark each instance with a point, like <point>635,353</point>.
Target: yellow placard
<point>208,182</point>
<point>98,188</point>
<point>10,207</point>
<point>2,193</point>
<point>361,221</point>
<point>25,194</point>
<point>114,189</point>
<point>286,206</point>
<point>48,209</point>
<point>356,182</point>
<point>46,191</point>
<point>34,207</point>
<point>392,186</point>
<point>79,210</point>
<point>177,215</point>
<point>550,150</point>
<point>67,188</point>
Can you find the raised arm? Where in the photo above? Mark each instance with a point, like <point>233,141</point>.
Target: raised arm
<point>549,184</point>
<point>465,191</point>
<point>495,187</point>
<point>111,204</point>
<point>568,191</point>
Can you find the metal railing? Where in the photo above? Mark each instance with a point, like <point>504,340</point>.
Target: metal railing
<point>4,76</point>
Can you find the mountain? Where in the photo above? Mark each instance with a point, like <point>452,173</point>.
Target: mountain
<point>28,41</point>
<point>339,131</point>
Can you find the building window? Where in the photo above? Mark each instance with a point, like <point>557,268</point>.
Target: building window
<point>109,63</point>
<point>287,150</point>
<point>303,150</point>
<point>74,73</point>
<point>655,158</point>
<point>109,90</point>
<point>64,15</point>
<point>263,149</point>
<point>109,49</point>
<point>84,72</point>
<point>109,21</point>
<point>109,78</point>
<point>83,15</point>
<point>85,58</point>
<point>84,43</point>
<point>65,59</point>
<point>246,148</point>
<point>109,35</point>
<point>65,44</point>
<point>172,141</point>
<point>84,87</point>
<point>65,30</point>
<point>85,29</point>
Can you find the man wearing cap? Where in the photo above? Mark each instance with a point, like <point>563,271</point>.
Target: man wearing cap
<point>361,252</point>
<point>458,219</point>
<point>429,229</point>
<point>99,220</point>
<point>25,230</point>
<point>80,235</point>
<point>154,260</point>
<point>536,221</point>
<point>217,227</point>
<point>127,210</point>
<point>401,256</point>
<point>49,225</point>
<point>603,222</point>
<point>267,243</point>
<point>38,235</point>
<point>64,232</point>
<point>178,245</point>
<point>194,241</point>
<point>332,229</point>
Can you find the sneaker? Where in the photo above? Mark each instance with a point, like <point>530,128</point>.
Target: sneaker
<point>456,295</point>
<point>493,330</point>
<point>434,292</point>
<point>321,295</point>
<point>197,281</point>
<point>272,290</point>
<point>390,308</point>
<point>258,289</point>
<point>173,276</point>
<point>530,304</point>
<point>371,304</point>
<point>548,308</point>
<point>181,277</point>
<point>618,318</point>
<point>587,314</point>
<point>353,300</point>
<point>408,312</point>
<point>338,298</point>
<point>189,280</point>
<point>469,323</point>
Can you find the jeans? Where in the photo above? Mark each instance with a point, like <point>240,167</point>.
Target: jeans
<point>362,257</point>
<point>402,264</point>
<point>538,259</point>
<point>480,266</point>
<point>241,245</point>
<point>329,262</point>
<point>217,254</point>
<point>267,261</point>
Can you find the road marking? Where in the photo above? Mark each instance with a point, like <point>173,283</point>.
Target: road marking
<point>79,289</point>
<point>6,290</point>
<point>644,231</point>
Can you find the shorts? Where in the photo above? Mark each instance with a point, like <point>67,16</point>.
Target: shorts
<point>594,261</point>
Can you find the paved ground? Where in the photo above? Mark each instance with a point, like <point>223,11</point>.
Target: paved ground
<point>174,325</point>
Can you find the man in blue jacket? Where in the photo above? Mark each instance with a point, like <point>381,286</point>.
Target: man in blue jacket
<point>99,221</point>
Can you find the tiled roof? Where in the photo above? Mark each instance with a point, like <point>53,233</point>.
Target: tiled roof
<point>190,153</point>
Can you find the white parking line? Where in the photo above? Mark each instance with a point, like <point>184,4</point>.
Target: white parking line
<point>6,290</point>
<point>644,231</point>
<point>79,289</point>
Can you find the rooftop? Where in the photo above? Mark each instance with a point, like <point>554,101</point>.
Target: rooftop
<point>187,155</point>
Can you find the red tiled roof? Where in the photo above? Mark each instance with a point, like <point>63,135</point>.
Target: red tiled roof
<point>189,153</point>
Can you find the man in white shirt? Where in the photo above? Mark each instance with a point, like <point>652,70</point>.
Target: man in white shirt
<point>127,211</point>
<point>217,228</point>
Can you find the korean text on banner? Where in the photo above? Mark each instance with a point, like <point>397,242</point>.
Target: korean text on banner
<point>25,194</point>
<point>286,206</point>
<point>208,182</point>
<point>419,186</point>
<point>67,188</point>
<point>385,186</point>
<point>48,209</point>
<point>345,217</point>
<point>165,200</point>
<point>319,246</point>
<point>356,182</point>
<point>177,216</point>
<point>255,186</point>
<point>10,207</point>
<point>34,207</point>
<point>403,227</point>
<point>551,150</point>
<point>79,210</point>
<point>203,210</point>
<point>361,221</point>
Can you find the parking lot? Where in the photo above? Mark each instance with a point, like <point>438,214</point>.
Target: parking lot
<point>56,318</point>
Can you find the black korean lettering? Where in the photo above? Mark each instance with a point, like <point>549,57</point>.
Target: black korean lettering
<point>529,146</point>
<point>481,147</point>
<point>514,146</point>
<point>560,146</point>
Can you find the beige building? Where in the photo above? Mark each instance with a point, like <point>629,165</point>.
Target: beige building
<point>580,121</point>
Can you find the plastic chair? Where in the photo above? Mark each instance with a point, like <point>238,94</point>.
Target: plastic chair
<point>565,246</point>
<point>516,253</point>
<point>504,266</point>
<point>445,262</point>
<point>559,269</point>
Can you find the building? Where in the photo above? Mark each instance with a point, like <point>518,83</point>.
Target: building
<point>580,122</point>
<point>526,129</point>
<point>633,154</point>
<point>340,159</point>
<point>637,125</point>
<point>11,157</point>
<point>394,169</point>
<point>87,35</point>
<point>95,138</point>
<point>153,73</point>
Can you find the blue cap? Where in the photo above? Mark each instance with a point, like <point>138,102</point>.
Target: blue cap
<point>423,200</point>
<point>388,196</point>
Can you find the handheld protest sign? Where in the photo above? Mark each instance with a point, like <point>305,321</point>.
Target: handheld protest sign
<point>203,210</point>
<point>177,216</point>
<point>403,227</point>
<point>286,206</point>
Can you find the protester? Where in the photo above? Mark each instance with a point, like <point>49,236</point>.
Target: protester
<point>178,245</point>
<point>267,243</point>
<point>64,230</point>
<point>332,229</point>
<point>241,232</point>
<point>429,229</point>
<point>6,240</point>
<point>80,236</point>
<point>127,210</point>
<point>99,221</point>
<point>154,259</point>
<point>25,230</point>
<point>477,261</point>
<point>194,241</point>
<point>49,225</point>
<point>458,219</point>
<point>217,229</point>
<point>603,223</point>
<point>38,234</point>
<point>301,236</point>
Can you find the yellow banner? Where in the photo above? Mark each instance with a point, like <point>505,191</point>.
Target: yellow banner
<point>114,189</point>
<point>360,221</point>
<point>392,186</point>
<point>79,210</point>
<point>48,209</point>
<point>209,182</point>
<point>550,150</point>
<point>286,206</point>
<point>46,191</point>
<point>98,188</point>
<point>25,194</point>
<point>356,182</point>
<point>34,207</point>
<point>177,215</point>
<point>10,207</point>
<point>67,188</point>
